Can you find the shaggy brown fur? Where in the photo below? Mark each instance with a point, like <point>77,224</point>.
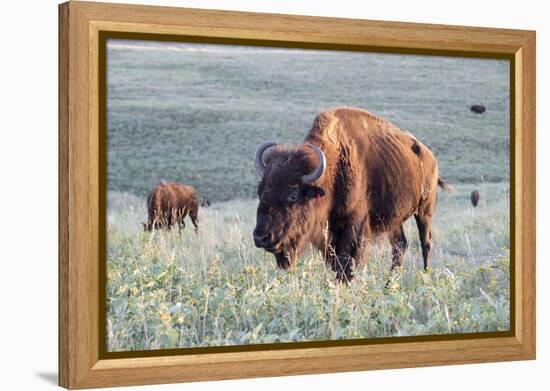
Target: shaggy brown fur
<point>169,203</point>
<point>376,177</point>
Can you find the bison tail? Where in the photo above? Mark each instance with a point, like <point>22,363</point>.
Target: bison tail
<point>444,185</point>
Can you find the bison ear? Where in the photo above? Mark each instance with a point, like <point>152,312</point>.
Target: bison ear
<point>314,192</point>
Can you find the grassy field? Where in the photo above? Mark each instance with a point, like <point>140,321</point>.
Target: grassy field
<point>195,114</point>
<point>169,290</point>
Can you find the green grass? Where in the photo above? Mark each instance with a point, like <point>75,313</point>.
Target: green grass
<point>195,115</point>
<point>172,290</point>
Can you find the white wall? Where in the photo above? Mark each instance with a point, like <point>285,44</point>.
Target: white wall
<point>28,194</point>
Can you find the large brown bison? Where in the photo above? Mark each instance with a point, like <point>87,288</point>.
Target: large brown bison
<point>169,203</point>
<point>355,176</point>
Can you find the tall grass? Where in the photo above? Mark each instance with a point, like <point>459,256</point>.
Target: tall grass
<point>172,290</point>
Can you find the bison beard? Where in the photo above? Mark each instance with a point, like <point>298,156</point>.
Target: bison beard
<point>284,261</point>
<point>356,176</point>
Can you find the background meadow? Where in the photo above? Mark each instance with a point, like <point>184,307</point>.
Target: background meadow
<point>195,114</point>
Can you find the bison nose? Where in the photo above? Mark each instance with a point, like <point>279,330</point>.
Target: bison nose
<point>261,239</point>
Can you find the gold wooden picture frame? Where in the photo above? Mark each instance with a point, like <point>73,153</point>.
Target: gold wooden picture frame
<point>84,28</point>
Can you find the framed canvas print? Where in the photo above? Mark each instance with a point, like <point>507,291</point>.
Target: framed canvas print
<point>247,195</point>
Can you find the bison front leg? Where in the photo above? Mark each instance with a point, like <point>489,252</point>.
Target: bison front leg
<point>346,250</point>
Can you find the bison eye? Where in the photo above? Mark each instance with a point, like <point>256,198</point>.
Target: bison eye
<point>293,197</point>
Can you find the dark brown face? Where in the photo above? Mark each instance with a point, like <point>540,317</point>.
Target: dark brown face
<point>287,209</point>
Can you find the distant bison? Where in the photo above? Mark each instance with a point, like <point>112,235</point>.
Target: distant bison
<point>205,202</point>
<point>478,109</point>
<point>355,176</point>
<point>474,197</point>
<point>169,203</point>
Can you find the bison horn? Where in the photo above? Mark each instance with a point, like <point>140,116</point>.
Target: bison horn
<point>260,166</point>
<point>320,169</point>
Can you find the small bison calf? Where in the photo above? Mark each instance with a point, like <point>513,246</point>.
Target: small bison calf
<point>169,203</point>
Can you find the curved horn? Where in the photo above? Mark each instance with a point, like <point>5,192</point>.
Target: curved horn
<point>260,166</point>
<point>320,169</point>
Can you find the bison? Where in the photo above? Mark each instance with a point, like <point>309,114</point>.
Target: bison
<point>474,198</point>
<point>355,176</point>
<point>169,203</point>
<point>205,203</point>
<point>478,109</point>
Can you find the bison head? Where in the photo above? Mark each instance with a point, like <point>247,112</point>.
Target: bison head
<point>289,195</point>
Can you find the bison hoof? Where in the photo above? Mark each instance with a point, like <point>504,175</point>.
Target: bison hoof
<point>344,278</point>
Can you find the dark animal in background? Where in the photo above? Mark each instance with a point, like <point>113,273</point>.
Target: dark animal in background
<point>205,202</point>
<point>169,203</point>
<point>474,197</point>
<point>355,176</point>
<point>478,109</point>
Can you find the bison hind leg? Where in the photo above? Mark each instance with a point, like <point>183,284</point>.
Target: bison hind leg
<point>195,222</point>
<point>424,224</point>
<point>194,215</point>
